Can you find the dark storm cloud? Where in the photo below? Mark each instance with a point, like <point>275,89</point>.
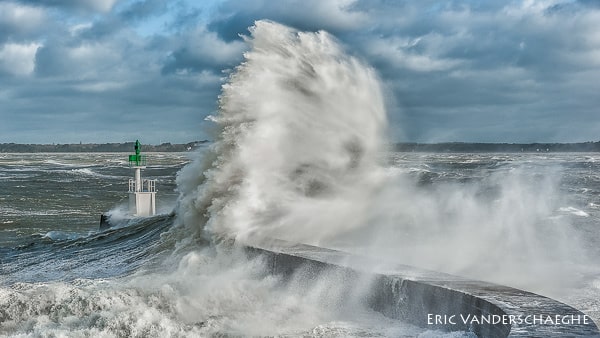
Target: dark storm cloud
<point>488,73</point>
<point>200,50</point>
<point>461,70</point>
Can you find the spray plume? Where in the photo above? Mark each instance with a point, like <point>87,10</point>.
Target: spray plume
<point>300,126</point>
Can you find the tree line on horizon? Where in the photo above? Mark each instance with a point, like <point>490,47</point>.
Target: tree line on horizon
<point>97,147</point>
<point>465,147</point>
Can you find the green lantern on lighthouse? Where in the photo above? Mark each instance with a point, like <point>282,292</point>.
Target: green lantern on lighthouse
<point>142,193</point>
<point>137,159</point>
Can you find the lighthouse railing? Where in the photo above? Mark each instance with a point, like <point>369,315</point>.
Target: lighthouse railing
<point>150,185</point>
<point>147,186</point>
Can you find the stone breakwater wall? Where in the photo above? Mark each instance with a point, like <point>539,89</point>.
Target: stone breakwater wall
<point>428,299</point>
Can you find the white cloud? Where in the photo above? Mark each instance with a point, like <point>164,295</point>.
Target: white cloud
<point>78,28</point>
<point>91,60</point>
<point>208,45</point>
<point>99,87</point>
<point>21,18</point>
<point>531,6</point>
<point>85,60</point>
<point>330,15</point>
<point>18,59</point>
<point>336,13</point>
<point>397,52</point>
<point>200,50</point>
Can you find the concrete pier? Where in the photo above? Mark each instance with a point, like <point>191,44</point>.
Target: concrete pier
<point>417,296</point>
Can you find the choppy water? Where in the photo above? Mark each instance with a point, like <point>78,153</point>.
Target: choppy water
<point>60,275</point>
<point>39,191</point>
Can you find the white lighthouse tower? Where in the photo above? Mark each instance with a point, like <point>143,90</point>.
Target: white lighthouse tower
<point>142,193</point>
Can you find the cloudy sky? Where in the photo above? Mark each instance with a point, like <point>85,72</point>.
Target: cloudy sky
<point>117,70</point>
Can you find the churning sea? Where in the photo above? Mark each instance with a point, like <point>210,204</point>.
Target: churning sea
<point>527,220</point>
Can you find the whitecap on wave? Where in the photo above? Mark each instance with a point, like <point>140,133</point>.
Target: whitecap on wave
<point>89,172</point>
<point>574,211</point>
<point>62,236</point>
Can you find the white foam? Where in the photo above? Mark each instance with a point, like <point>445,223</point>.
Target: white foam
<point>205,295</point>
<point>574,211</point>
<point>90,172</point>
<point>62,236</point>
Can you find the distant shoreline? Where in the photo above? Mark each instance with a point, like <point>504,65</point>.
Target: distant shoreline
<point>445,147</point>
<point>465,147</point>
<point>97,147</point>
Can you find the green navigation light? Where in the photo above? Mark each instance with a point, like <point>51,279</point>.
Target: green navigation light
<point>137,160</point>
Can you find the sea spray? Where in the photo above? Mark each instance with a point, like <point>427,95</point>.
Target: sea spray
<point>504,226</point>
<point>301,124</point>
<point>301,127</point>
